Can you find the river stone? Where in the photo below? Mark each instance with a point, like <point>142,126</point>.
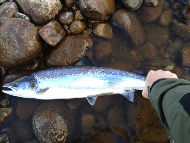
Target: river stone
<point>88,122</point>
<point>150,14</point>
<point>52,33</point>
<point>98,10</point>
<point>151,2</point>
<point>103,30</point>
<point>149,50</point>
<point>69,51</point>
<point>60,115</point>
<point>76,27</point>
<point>4,112</point>
<point>50,127</point>
<point>129,23</point>
<point>19,43</point>
<point>66,18</point>
<point>7,10</point>
<point>182,30</point>
<point>185,52</point>
<point>166,17</point>
<point>132,4</point>
<point>157,35</point>
<point>70,3</point>
<point>41,12</point>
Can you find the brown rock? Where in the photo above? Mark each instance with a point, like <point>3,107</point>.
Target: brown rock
<point>166,17</point>
<point>149,51</point>
<point>52,33</point>
<point>76,27</point>
<point>151,2</point>
<point>41,12</point>
<point>78,15</point>
<point>69,51</point>
<point>129,23</point>
<point>150,14</point>
<point>103,30</point>
<point>176,5</point>
<point>4,112</point>
<point>185,54</point>
<point>132,4</point>
<point>88,121</point>
<point>157,35</point>
<point>103,49</point>
<point>102,104</point>
<point>7,10</point>
<point>70,3</point>
<point>97,10</point>
<point>182,30</point>
<point>66,18</point>
<point>25,108</point>
<point>19,43</point>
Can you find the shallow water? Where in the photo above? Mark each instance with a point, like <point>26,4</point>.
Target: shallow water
<point>113,118</point>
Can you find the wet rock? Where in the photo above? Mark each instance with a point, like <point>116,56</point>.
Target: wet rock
<point>4,112</point>
<point>78,15</point>
<point>41,12</point>
<point>21,15</point>
<point>103,30</point>
<point>19,43</point>
<point>97,10</point>
<point>23,130</point>
<point>70,3</point>
<point>53,121</point>
<point>166,17</point>
<point>7,10</point>
<point>157,35</point>
<point>69,51</point>
<point>132,4</point>
<point>33,141</point>
<point>85,61</point>
<point>36,64</point>
<point>7,135</point>
<point>90,54</point>
<point>151,2</point>
<point>4,101</point>
<point>176,5</point>
<point>116,119</point>
<point>76,27</point>
<point>87,31</point>
<point>103,49</point>
<point>186,13</point>
<point>185,52</point>
<point>150,14</point>
<point>149,50</point>
<point>52,33</point>
<point>66,18</point>
<point>181,30</point>
<point>88,121</point>
<point>129,23</point>
<point>102,104</point>
<point>50,127</point>
<point>25,108</point>
<point>2,1</point>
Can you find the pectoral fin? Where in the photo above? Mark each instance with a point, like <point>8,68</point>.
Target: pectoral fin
<point>42,91</point>
<point>91,99</point>
<point>129,95</point>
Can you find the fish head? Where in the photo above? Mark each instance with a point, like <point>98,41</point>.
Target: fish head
<point>23,87</point>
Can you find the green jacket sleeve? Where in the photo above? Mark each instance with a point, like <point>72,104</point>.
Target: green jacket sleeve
<point>165,97</point>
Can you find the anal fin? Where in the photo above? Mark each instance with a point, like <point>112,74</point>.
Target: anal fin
<point>129,95</point>
<point>91,99</point>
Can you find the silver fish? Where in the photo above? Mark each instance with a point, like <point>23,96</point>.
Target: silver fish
<point>76,82</point>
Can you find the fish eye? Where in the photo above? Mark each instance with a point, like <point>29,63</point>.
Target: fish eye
<point>33,84</point>
<point>15,85</point>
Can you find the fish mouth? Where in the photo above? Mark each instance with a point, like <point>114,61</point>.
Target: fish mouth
<point>8,89</point>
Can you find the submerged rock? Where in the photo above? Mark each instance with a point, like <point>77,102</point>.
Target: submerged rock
<point>4,112</point>
<point>132,4</point>
<point>19,43</point>
<point>185,52</point>
<point>166,17</point>
<point>97,10</point>
<point>76,27</point>
<point>66,18</point>
<point>129,23</point>
<point>69,51</point>
<point>41,12</point>
<point>7,10</point>
<point>150,14</point>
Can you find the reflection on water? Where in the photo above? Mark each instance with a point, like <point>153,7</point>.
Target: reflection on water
<point>113,118</point>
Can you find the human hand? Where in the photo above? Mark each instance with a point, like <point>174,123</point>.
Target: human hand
<point>153,76</point>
